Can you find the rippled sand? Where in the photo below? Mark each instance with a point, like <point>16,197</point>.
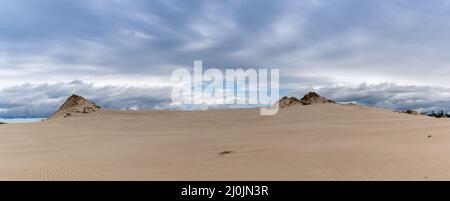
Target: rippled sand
<point>316,142</point>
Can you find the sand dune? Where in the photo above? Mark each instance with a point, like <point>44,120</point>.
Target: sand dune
<point>311,142</point>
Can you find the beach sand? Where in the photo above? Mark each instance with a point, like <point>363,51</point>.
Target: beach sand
<point>313,142</point>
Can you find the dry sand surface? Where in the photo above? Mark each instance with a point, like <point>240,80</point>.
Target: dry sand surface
<point>314,142</point>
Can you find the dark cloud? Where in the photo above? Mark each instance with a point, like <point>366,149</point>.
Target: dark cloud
<point>134,37</point>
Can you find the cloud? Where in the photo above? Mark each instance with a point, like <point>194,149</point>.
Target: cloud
<point>132,37</point>
<point>41,100</point>
<point>387,95</point>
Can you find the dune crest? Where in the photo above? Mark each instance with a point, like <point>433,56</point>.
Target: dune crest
<point>75,105</point>
<point>309,99</point>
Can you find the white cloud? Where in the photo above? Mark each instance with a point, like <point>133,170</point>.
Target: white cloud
<point>41,100</point>
<point>388,95</point>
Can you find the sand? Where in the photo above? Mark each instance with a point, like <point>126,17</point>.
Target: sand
<point>313,142</point>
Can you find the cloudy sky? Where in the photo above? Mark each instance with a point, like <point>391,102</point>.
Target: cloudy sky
<point>120,53</point>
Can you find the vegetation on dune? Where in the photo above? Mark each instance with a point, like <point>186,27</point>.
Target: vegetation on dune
<point>436,114</point>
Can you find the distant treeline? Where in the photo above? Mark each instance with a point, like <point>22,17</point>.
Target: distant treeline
<point>436,114</point>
